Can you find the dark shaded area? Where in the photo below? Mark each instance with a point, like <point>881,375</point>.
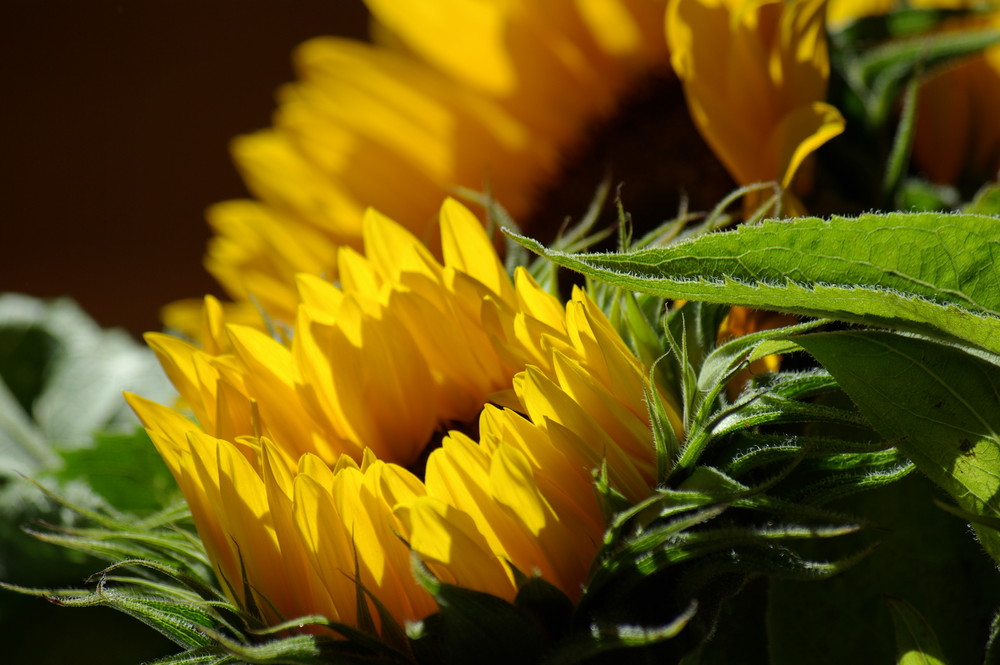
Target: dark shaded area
<point>651,148</point>
<point>117,117</point>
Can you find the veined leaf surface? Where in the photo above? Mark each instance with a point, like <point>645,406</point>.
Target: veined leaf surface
<point>939,404</point>
<point>933,273</point>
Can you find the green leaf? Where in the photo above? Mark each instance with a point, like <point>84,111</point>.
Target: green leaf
<point>72,372</point>
<point>937,402</point>
<point>918,195</point>
<point>986,201</point>
<point>926,272</point>
<point>916,642</point>
<point>124,469</point>
<point>471,623</point>
<point>923,555</point>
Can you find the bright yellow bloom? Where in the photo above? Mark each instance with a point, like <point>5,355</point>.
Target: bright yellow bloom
<point>527,486</point>
<point>755,73</point>
<point>296,470</point>
<point>454,93</point>
<point>402,347</point>
<point>505,96</point>
<point>287,540</point>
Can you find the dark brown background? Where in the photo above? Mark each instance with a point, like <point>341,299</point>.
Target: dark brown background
<point>116,118</point>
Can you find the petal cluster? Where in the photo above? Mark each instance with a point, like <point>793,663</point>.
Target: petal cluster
<point>496,97</point>
<point>453,93</point>
<point>299,464</point>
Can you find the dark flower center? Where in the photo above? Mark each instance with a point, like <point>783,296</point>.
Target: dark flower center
<point>652,148</point>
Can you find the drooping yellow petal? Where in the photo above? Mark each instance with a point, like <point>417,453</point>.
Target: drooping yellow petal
<point>467,249</point>
<point>753,74</point>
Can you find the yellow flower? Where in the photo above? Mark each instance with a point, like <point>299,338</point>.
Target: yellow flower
<point>453,93</point>
<point>755,73</point>
<point>402,347</point>
<point>288,540</point>
<point>297,468</point>
<point>507,97</point>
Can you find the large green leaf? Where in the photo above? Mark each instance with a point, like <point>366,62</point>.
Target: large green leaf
<point>939,404</point>
<point>924,556</point>
<point>927,272</point>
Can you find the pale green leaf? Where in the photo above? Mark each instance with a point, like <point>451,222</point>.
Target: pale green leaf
<point>926,272</point>
<point>916,643</point>
<point>938,403</point>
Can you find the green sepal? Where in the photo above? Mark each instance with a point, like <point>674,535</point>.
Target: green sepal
<point>183,623</point>
<point>696,546</point>
<point>821,480</point>
<point>210,655</point>
<point>621,642</point>
<point>549,608</point>
<point>922,555</point>
<point>471,624</point>
<point>993,642</point>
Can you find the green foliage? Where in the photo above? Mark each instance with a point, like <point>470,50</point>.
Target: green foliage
<point>763,483</point>
<point>924,556</point>
<point>916,642</point>
<point>924,272</point>
<point>922,394</point>
<point>471,622</point>
<point>123,469</point>
<point>946,420</point>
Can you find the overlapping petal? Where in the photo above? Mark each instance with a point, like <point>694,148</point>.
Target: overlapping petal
<point>454,93</point>
<point>755,73</point>
<point>303,440</point>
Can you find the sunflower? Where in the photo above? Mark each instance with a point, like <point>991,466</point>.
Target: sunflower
<point>443,402</point>
<point>532,102</point>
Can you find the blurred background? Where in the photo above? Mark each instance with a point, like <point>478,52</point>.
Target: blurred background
<point>116,123</point>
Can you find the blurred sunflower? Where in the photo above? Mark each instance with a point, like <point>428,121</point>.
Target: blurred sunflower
<point>956,136</point>
<point>310,456</point>
<point>532,102</point>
